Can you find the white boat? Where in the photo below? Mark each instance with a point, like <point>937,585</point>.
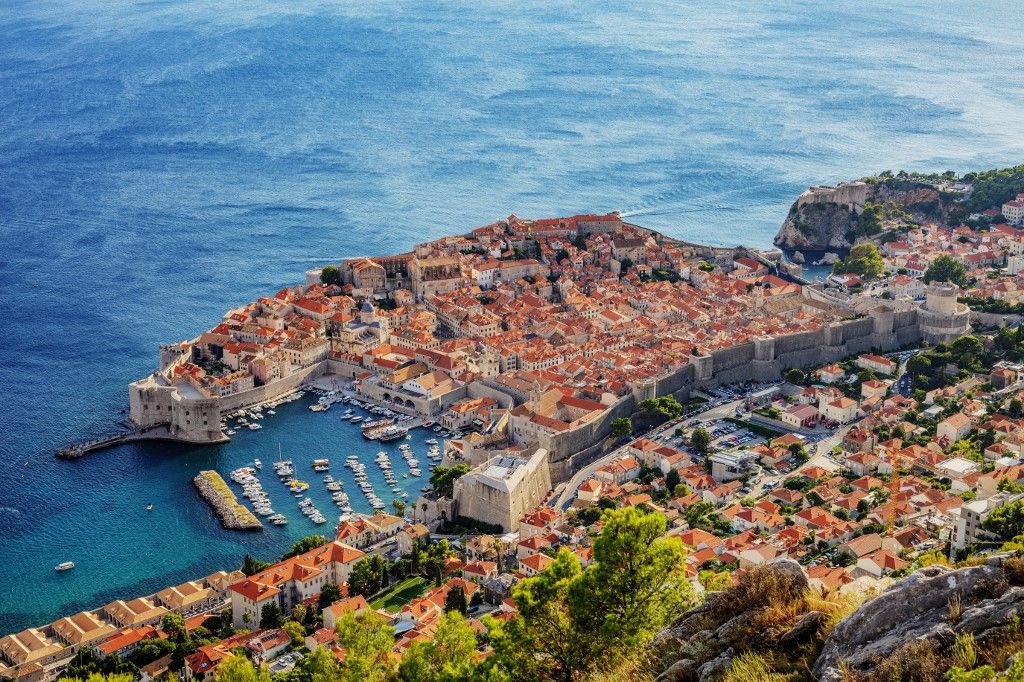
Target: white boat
<point>257,464</point>
<point>64,566</point>
<point>255,427</point>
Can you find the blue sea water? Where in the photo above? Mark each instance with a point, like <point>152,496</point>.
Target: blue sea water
<point>161,161</point>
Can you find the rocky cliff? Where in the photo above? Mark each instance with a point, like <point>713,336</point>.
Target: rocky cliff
<point>824,217</point>
<point>773,626</point>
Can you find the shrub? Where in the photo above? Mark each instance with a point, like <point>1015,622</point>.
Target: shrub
<point>914,662</point>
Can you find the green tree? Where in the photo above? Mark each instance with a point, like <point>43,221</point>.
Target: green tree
<point>672,479</point>
<point>443,479</point>
<point>270,616</point>
<point>455,600</point>
<point>447,657</point>
<point>399,507</point>
<point>572,622</point>
<point>1006,521</point>
<point>1016,409</point>
<point>318,666</point>
<point>795,376</point>
<point>174,625</point>
<point>304,545</point>
<point>700,439</point>
<point>945,268</point>
<point>236,668</point>
<point>251,566</point>
<point>295,631</point>
<point>621,426</point>
<point>367,640</point>
<point>369,575</point>
<point>329,594</point>
<point>330,275</point>
<point>864,260</point>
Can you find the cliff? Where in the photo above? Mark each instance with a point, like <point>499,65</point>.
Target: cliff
<point>825,218</point>
<point>773,626</point>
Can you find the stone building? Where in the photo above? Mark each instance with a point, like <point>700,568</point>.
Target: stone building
<point>503,489</point>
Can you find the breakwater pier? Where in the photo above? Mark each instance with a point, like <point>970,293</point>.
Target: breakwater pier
<point>233,514</point>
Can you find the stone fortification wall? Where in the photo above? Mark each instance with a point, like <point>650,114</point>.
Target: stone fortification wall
<point>852,195</point>
<point>478,389</point>
<point>274,390</point>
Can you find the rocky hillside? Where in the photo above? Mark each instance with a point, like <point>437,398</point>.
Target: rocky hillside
<point>827,218</point>
<point>773,626</point>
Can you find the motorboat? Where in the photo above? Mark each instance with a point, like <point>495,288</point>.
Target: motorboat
<point>149,507</point>
<point>255,427</point>
<point>64,566</point>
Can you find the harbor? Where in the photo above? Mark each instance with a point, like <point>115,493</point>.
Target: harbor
<point>386,459</point>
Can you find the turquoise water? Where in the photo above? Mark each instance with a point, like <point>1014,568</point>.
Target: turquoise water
<point>163,161</point>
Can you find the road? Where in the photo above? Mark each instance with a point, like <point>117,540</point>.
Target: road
<point>562,499</point>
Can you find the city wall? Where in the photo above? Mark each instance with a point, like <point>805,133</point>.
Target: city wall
<point>762,360</point>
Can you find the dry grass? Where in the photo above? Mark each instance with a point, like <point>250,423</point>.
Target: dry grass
<point>914,662</point>
<point>956,608</point>
<point>837,606</point>
<point>750,667</point>
<point>763,586</point>
<point>1013,569</point>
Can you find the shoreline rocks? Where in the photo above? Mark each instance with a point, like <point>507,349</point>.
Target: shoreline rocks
<point>233,515</point>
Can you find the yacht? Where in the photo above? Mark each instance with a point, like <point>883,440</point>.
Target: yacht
<point>257,464</point>
<point>255,427</point>
<point>149,507</point>
<point>64,566</point>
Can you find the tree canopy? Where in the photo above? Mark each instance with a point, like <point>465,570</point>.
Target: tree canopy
<point>945,268</point>
<point>700,439</point>
<point>330,275</point>
<point>447,657</point>
<point>864,260</point>
<point>621,426</point>
<point>304,545</point>
<point>573,622</point>
<point>443,479</point>
<point>367,640</point>
<point>1006,521</point>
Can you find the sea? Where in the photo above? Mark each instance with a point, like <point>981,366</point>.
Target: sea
<point>162,161</point>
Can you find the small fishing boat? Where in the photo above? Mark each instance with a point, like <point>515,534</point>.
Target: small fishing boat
<point>64,566</point>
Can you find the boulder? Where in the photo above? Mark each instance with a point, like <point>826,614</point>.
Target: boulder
<point>921,607</point>
<point>806,629</point>
<point>680,671</point>
<point>715,668</point>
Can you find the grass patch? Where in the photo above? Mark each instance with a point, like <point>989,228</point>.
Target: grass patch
<point>397,596</point>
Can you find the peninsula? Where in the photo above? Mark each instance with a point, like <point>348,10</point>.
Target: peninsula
<point>540,332</point>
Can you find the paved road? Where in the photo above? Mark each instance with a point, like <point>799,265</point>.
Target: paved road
<point>566,492</point>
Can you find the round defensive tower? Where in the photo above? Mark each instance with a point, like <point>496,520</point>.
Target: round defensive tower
<point>942,318</point>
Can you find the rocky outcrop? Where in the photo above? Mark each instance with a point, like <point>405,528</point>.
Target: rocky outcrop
<point>934,605</point>
<point>824,217</point>
<point>771,613</point>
